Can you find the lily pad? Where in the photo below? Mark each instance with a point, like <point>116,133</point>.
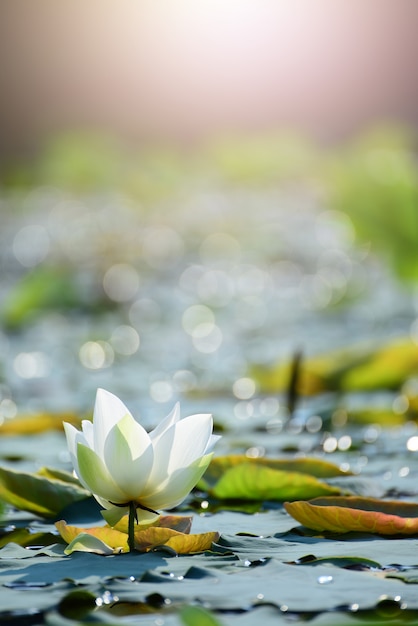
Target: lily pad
<point>38,494</point>
<point>31,424</point>
<point>106,540</point>
<point>251,481</point>
<point>156,537</point>
<point>358,368</point>
<point>311,466</point>
<point>180,523</point>
<point>86,542</point>
<point>103,540</point>
<point>346,514</point>
<point>27,537</point>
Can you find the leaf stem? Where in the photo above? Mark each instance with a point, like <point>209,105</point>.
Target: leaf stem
<point>131,526</point>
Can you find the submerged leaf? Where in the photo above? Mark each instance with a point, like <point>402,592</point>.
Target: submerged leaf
<point>345,514</point>
<point>39,494</point>
<point>197,616</point>
<point>249,481</point>
<point>77,604</point>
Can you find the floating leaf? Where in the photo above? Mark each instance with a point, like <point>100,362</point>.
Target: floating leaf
<point>180,523</point>
<point>32,424</point>
<point>345,514</point>
<point>156,537</point>
<point>386,368</point>
<point>88,543</point>
<point>103,540</point>
<point>360,368</point>
<point>313,467</point>
<point>249,481</point>
<point>57,474</point>
<point>26,537</point>
<point>108,538</point>
<point>381,416</point>
<point>85,542</point>
<point>38,494</point>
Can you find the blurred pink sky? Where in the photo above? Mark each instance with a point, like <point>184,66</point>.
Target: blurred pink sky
<point>188,69</point>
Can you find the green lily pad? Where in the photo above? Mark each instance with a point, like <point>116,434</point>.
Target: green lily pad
<point>313,467</point>
<point>251,481</point>
<point>345,514</point>
<point>58,474</point>
<point>38,494</point>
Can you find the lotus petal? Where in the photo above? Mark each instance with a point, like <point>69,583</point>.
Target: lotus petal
<point>177,486</point>
<point>129,456</point>
<point>108,410</point>
<point>94,474</point>
<point>178,447</point>
<point>171,419</point>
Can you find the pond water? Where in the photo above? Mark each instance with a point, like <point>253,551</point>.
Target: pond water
<point>159,303</point>
<point>179,302</point>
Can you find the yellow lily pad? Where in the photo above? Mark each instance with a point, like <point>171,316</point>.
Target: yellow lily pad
<point>85,542</point>
<point>38,423</point>
<point>114,541</point>
<point>345,514</point>
<point>180,523</point>
<point>112,538</point>
<point>358,368</point>
<point>384,417</point>
<point>151,538</point>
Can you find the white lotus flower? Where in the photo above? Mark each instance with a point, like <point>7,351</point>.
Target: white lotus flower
<point>120,463</point>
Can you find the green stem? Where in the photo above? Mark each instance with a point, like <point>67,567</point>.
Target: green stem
<point>131,526</point>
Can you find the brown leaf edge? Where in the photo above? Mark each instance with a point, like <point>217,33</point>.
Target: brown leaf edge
<point>356,514</point>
